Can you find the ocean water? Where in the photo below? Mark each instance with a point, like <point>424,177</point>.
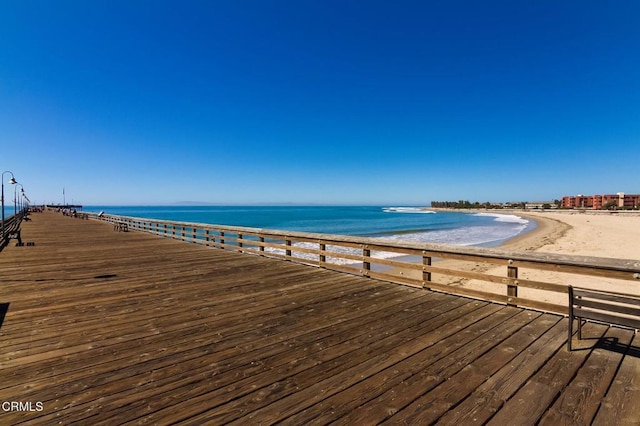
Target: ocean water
<point>390,223</point>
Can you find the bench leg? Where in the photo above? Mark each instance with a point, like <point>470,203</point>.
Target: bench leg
<point>570,331</point>
<point>570,318</point>
<point>579,328</point>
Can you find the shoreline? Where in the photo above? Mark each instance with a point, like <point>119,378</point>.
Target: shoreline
<point>577,234</point>
<point>594,233</point>
<point>547,231</point>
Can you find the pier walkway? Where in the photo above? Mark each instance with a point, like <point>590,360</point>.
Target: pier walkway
<point>105,327</point>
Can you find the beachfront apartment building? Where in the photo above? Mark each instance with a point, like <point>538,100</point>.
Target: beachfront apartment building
<point>598,202</point>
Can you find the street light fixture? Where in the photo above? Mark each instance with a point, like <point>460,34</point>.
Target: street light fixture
<point>12,181</point>
<point>16,204</point>
<point>22,197</point>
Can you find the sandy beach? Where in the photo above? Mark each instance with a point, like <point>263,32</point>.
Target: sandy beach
<point>581,234</point>
<point>594,234</point>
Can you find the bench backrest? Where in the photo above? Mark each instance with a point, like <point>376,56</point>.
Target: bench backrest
<point>606,307</point>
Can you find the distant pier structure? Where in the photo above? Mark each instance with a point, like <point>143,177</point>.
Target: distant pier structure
<point>64,206</point>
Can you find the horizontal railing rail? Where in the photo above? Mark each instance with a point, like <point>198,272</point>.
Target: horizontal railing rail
<point>438,267</point>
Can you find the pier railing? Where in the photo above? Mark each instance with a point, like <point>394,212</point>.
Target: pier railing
<point>489,274</point>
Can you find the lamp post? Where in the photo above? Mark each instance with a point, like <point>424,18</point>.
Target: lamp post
<point>27,200</point>
<point>12,181</point>
<point>16,203</point>
<point>22,197</point>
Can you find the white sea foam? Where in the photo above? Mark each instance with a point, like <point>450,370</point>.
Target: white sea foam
<point>510,218</point>
<point>406,210</point>
<point>465,236</point>
<point>338,250</point>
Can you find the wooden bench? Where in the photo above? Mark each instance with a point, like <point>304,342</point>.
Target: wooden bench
<point>603,307</point>
<point>121,226</point>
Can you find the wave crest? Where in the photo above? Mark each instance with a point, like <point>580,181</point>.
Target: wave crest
<point>509,218</point>
<point>407,210</point>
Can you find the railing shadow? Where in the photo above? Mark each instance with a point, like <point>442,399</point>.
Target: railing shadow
<point>4,308</point>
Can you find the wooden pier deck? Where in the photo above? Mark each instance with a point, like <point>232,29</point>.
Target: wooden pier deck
<point>104,327</point>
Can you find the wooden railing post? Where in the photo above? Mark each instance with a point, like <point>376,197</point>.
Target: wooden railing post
<point>261,246</point>
<point>222,240</point>
<point>366,257</point>
<point>240,243</point>
<point>512,289</point>
<point>426,275</point>
<point>207,238</point>
<point>323,258</point>
<point>287,242</point>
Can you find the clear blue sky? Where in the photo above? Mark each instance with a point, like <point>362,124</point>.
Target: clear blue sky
<point>338,102</point>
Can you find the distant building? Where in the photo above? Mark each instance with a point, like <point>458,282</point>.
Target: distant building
<point>598,202</point>
<point>539,205</point>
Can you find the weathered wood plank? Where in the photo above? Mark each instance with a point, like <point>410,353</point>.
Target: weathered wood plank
<point>437,402</point>
<point>622,402</point>
<point>424,377</point>
<point>490,396</point>
<point>245,359</point>
<point>292,380</point>
<point>535,397</point>
<point>107,327</point>
<point>580,400</point>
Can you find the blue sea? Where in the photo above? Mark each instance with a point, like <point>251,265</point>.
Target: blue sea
<point>392,223</point>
